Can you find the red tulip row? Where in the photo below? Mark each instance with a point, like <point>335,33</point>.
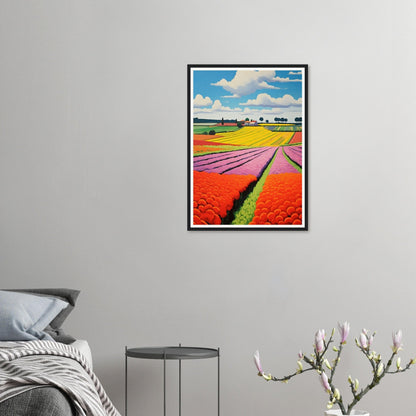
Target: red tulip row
<point>297,138</point>
<point>214,195</point>
<point>280,201</point>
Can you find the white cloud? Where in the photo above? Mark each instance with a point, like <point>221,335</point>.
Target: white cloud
<point>200,101</point>
<point>218,106</point>
<point>295,73</point>
<point>265,100</point>
<point>246,82</point>
<point>286,79</point>
<point>285,106</point>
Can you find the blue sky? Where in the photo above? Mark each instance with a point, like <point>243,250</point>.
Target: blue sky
<point>247,92</point>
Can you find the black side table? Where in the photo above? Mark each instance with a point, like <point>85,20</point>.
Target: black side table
<point>172,353</point>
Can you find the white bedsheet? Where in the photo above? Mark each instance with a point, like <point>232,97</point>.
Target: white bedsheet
<point>82,346</point>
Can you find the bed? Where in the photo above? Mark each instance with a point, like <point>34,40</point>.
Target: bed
<point>41,401</point>
<point>45,400</point>
<point>43,370</point>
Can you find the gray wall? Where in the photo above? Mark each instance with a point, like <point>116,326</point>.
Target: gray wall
<point>93,191</point>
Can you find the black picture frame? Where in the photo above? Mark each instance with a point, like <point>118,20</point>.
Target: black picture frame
<point>281,78</point>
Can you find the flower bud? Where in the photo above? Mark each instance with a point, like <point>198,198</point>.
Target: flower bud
<point>300,366</point>
<point>413,361</point>
<point>398,362</point>
<point>258,363</point>
<point>370,340</point>
<point>337,394</point>
<point>328,366</point>
<point>356,384</point>
<point>350,380</point>
<point>363,340</point>
<point>325,382</point>
<point>334,348</point>
<point>397,341</point>
<point>344,330</point>
<point>319,340</point>
<point>380,369</point>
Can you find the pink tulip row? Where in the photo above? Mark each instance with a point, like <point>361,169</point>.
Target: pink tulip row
<point>295,153</point>
<point>281,165</point>
<point>214,157</point>
<point>238,163</point>
<point>255,166</point>
<point>224,161</point>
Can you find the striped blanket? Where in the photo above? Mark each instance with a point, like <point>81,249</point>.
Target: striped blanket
<point>30,364</point>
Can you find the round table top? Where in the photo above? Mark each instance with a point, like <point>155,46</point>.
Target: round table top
<point>172,353</point>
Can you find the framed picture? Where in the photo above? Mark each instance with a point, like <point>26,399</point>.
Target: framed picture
<point>247,147</point>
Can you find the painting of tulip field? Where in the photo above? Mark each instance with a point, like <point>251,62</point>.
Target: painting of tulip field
<point>247,147</point>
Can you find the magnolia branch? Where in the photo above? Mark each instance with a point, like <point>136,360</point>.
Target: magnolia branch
<point>317,361</point>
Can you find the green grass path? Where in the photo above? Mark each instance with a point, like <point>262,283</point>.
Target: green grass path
<point>246,212</point>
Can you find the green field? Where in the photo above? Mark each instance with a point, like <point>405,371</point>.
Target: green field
<point>288,127</point>
<point>218,129</point>
<point>207,150</point>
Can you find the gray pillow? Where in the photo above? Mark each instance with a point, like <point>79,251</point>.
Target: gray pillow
<point>59,335</point>
<point>68,295</point>
<point>23,317</point>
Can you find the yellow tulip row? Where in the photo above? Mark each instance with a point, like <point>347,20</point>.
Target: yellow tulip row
<point>254,136</point>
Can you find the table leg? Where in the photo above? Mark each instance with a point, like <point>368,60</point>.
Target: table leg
<point>125,382</point>
<point>180,385</point>
<point>180,388</point>
<point>164,383</point>
<point>218,381</point>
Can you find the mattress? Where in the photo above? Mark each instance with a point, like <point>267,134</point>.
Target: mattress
<point>82,346</point>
